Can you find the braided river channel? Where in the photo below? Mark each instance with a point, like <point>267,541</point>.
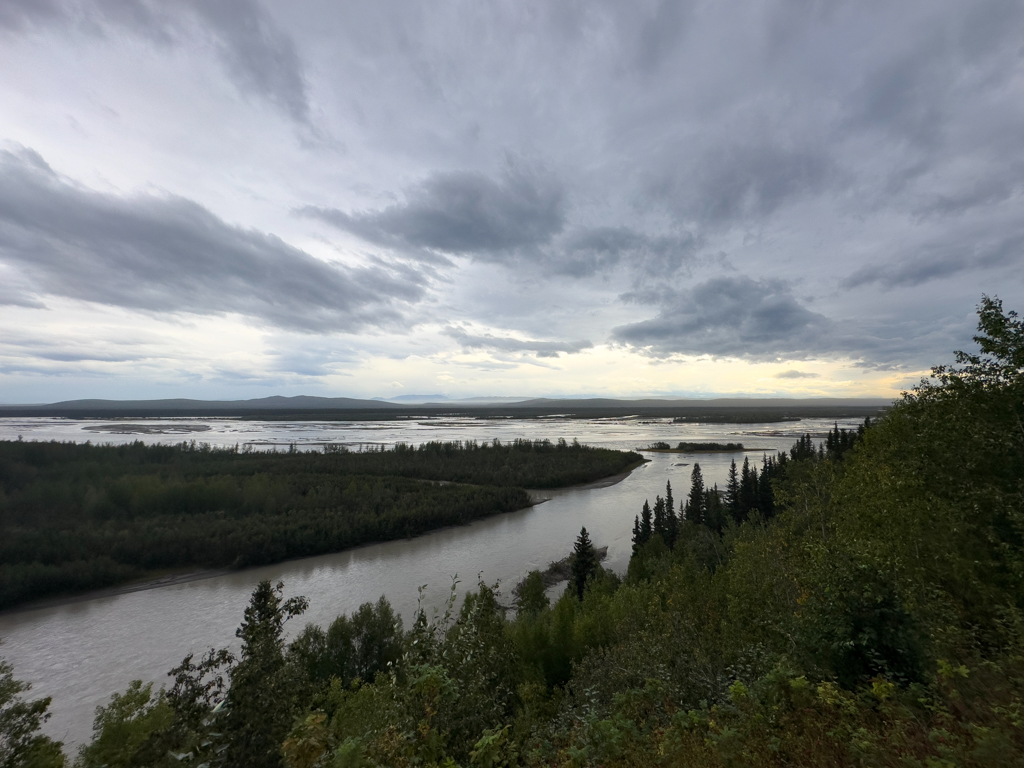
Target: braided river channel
<point>80,652</point>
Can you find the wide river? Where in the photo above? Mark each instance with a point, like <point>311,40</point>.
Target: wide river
<point>81,652</point>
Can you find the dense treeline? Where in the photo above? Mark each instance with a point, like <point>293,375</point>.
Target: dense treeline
<point>697,447</point>
<point>77,517</point>
<point>875,618</point>
<point>747,491</point>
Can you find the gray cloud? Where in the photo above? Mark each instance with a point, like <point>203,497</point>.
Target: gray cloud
<point>17,15</point>
<point>508,344</point>
<point>870,147</point>
<point>311,360</point>
<point>466,214</point>
<point>589,251</point>
<point>169,254</point>
<point>71,350</point>
<point>744,182</point>
<point>939,262</point>
<point>763,320</point>
<point>259,57</point>
<point>795,374</point>
<point>731,316</point>
<point>16,293</point>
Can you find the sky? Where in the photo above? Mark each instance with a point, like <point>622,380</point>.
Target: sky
<point>235,198</point>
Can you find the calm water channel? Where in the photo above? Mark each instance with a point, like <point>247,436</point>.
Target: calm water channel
<point>79,653</point>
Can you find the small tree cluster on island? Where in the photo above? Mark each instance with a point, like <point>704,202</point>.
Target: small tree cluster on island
<point>748,490</point>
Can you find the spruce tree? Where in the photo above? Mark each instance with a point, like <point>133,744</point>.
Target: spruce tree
<point>671,520</point>
<point>645,523</point>
<point>713,512</point>
<point>659,517</point>
<point>732,490</point>
<point>765,494</point>
<point>584,562</point>
<point>748,490</point>
<point>637,541</point>
<point>695,501</point>
<point>260,702</point>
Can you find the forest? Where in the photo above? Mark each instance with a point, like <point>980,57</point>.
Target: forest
<point>76,517</point>
<point>684,447</point>
<point>854,603</point>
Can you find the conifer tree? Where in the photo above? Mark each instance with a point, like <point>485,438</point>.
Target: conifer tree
<point>695,501</point>
<point>260,706</point>
<point>637,541</point>
<point>659,516</point>
<point>671,521</point>
<point>584,562</point>
<point>748,490</point>
<point>645,523</point>
<point>765,496</point>
<point>732,490</point>
<point>713,509</point>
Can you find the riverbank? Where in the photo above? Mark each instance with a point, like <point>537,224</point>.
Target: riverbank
<point>540,495</point>
<point>143,583</point>
<point>152,581</point>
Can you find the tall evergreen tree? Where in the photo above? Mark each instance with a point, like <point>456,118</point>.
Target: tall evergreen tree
<point>584,562</point>
<point>732,491</point>
<point>645,523</point>
<point>714,511</point>
<point>695,500</point>
<point>765,495</point>
<point>637,540</point>
<point>803,448</point>
<point>260,702</point>
<point>671,521</point>
<point>748,490</point>
<point>659,517</point>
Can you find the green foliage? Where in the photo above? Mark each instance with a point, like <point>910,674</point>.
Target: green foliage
<point>531,597</point>
<point>124,725</point>
<point>583,563</point>
<point>709,447</point>
<point>79,517</point>
<point>351,650</point>
<point>261,700</point>
<point>855,603</point>
<point>21,743</point>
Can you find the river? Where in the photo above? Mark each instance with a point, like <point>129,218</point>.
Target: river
<point>81,652</point>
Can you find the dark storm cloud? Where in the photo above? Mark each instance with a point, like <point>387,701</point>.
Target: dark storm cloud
<point>169,254</point>
<point>465,214</point>
<point>260,58</point>
<point>506,344</point>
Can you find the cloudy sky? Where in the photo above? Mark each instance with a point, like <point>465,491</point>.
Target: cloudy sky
<point>236,198</point>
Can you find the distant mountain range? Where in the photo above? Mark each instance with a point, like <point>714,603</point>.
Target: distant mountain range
<point>439,404</point>
<point>274,403</point>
